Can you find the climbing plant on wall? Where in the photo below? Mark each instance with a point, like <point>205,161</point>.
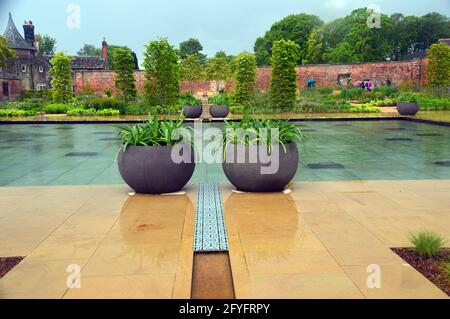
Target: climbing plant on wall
<point>438,68</point>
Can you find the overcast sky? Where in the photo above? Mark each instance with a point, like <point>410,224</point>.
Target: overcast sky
<point>229,25</point>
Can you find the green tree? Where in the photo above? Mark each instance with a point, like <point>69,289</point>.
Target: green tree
<point>438,68</point>
<point>89,50</point>
<point>245,75</point>
<point>5,52</point>
<point>296,28</point>
<point>162,73</point>
<point>283,84</point>
<point>124,71</point>
<point>218,68</point>
<point>191,70</point>
<point>192,47</point>
<point>47,44</point>
<point>62,81</point>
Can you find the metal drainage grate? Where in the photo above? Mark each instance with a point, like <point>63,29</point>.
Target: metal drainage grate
<point>329,165</point>
<point>395,129</point>
<point>398,139</point>
<point>443,163</point>
<point>82,154</point>
<point>210,229</point>
<point>428,134</point>
<point>343,125</point>
<point>64,128</point>
<point>110,139</point>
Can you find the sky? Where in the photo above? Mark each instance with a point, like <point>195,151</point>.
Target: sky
<point>228,25</point>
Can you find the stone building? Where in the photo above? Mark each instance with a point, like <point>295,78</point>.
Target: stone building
<point>31,69</point>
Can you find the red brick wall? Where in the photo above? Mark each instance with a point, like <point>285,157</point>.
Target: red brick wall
<point>324,75</point>
<point>15,88</point>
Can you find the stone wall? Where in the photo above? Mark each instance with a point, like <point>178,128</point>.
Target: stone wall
<point>325,75</point>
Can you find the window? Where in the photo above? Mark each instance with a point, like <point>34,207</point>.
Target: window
<point>24,68</point>
<point>41,69</point>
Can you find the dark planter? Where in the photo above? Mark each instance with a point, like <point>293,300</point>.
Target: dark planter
<point>219,111</point>
<point>192,111</point>
<point>247,176</point>
<point>405,108</point>
<point>150,169</point>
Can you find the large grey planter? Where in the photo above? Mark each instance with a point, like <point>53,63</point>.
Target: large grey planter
<point>408,108</point>
<point>192,111</point>
<point>219,111</point>
<point>247,176</point>
<point>151,170</point>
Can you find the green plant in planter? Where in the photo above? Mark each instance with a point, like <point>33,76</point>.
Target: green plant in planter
<point>427,243</point>
<point>188,99</point>
<point>221,99</point>
<point>155,133</point>
<point>407,97</point>
<point>286,132</point>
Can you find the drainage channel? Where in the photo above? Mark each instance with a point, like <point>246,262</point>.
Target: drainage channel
<point>212,276</point>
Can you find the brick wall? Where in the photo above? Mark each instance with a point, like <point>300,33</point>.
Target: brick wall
<point>324,75</point>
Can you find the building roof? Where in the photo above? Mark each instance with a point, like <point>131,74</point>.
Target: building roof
<point>447,41</point>
<point>88,63</point>
<point>84,63</point>
<point>15,39</point>
<point>416,55</point>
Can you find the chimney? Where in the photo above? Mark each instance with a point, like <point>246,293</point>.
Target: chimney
<point>105,53</point>
<point>28,29</point>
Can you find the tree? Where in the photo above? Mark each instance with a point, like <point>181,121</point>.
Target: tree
<point>62,81</point>
<point>438,68</point>
<point>296,28</point>
<point>5,52</point>
<point>245,64</point>
<point>89,50</point>
<point>47,44</point>
<point>192,47</point>
<point>218,68</point>
<point>191,70</point>
<point>283,84</point>
<point>162,73</point>
<point>124,70</point>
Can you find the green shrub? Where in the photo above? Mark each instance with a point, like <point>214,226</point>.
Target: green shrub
<point>351,94</point>
<point>386,91</point>
<point>245,73</point>
<point>99,103</point>
<point>16,113</point>
<point>427,243</point>
<point>188,99</point>
<point>283,84</point>
<point>446,269</point>
<point>107,92</point>
<point>407,97</point>
<point>434,104</point>
<point>438,68</point>
<point>93,112</point>
<point>365,108</point>
<point>324,90</point>
<point>55,108</point>
<point>221,99</point>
